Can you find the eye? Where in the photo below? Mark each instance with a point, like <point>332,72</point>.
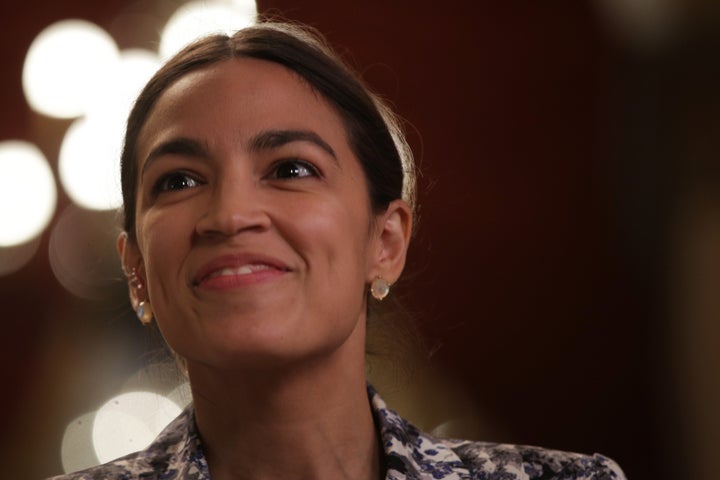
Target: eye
<point>175,181</point>
<point>294,168</point>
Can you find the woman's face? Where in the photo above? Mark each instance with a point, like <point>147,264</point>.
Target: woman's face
<point>254,232</point>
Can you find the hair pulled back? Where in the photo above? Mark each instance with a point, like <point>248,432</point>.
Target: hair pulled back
<point>374,133</point>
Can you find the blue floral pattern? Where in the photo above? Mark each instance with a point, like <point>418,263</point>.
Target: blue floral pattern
<point>176,454</point>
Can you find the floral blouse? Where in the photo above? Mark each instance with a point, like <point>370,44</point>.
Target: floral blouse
<point>176,454</point>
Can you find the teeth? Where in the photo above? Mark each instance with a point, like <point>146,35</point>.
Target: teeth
<point>243,270</point>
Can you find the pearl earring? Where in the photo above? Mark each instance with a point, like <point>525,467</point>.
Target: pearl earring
<point>379,288</point>
<point>144,309</point>
<point>144,312</point>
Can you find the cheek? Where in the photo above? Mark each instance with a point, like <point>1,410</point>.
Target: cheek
<point>334,230</point>
<point>163,247</point>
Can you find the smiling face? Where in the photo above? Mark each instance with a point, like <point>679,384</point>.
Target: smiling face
<point>254,231</point>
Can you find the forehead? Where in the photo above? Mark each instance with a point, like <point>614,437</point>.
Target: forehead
<point>244,94</point>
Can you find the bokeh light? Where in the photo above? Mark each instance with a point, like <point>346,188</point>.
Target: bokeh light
<point>133,69</point>
<point>198,18</point>
<point>82,253</point>
<point>16,257</point>
<point>28,194</point>
<point>66,66</point>
<point>642,24</point>
<point>130,422</point>
<point>89,162</point>
<point>244,5</point>
<point>181,395</point>
<point>77,452</point>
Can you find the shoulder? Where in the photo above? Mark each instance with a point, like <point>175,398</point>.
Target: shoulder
<point>489,461</point>
<point>413,454</point>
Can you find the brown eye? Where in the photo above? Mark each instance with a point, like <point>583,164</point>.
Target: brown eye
<point>294,169</point>
<point>175,181</point>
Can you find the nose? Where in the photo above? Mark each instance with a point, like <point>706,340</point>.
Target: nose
<point>235,205</point>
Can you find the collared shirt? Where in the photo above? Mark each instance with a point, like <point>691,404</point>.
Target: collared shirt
<point>409,454</point>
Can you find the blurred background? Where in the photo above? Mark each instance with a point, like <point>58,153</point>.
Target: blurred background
<point>566,270</point>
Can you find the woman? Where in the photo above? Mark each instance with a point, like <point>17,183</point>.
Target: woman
<point>268,203</point>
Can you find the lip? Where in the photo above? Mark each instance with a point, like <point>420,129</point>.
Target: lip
<point>207,276</point>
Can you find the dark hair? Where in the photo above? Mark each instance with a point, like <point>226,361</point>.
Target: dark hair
<point>373,130</point>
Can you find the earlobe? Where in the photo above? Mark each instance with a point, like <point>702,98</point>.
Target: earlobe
<point>394,230</point>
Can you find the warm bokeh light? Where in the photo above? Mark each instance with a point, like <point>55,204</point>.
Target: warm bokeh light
<point>28,194</point>
<point>66,66</point>
<point>248,7</point>
<point>181,395</point>
<point>131,72</point>
<point>77,452</point>
<point>89,162</point>
<point>198,18</point>
<point>82,253</point>
<point>16,257</point>
<point>644,24</point>
<point>130,422</point>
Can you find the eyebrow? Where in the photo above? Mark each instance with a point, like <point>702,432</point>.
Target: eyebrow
<point>268,140</point>
<point>273,139</point>
<point>177,146</point>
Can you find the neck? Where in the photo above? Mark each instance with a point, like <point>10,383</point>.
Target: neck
<point>309,421</point>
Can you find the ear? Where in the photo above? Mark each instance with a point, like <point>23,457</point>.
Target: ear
<point>393,229</point>
<point>132,263</point>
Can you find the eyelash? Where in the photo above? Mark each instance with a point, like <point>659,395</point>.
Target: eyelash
<point>162,184</point>
<point>312,170</point>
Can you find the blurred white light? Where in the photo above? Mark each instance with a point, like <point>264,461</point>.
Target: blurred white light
<point>245,5</point>
<point>28,194</point>
<point>77,452</point>
<point>181,395</point>
<point>199,18</point>
<point>66,65</point>
<point>130,422</point>
<point>242,5</point>
<point>90,154</point>
<point>131,72</point>
<point>89,161</point>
